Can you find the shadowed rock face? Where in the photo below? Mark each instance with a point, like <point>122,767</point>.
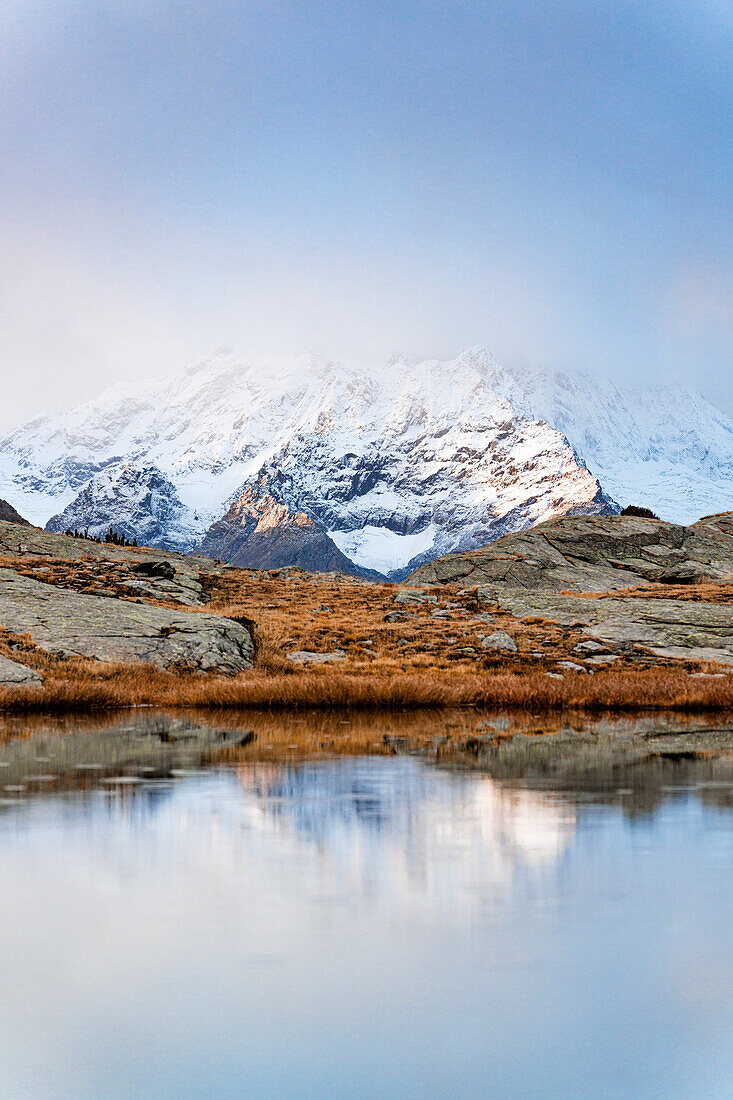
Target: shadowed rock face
<point>137,502</point>
<point>13,674</point>
<point>259,533</point>
<point>73,623</point>
<point>9,514</point>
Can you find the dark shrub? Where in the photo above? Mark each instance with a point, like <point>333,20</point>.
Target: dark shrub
<point>641,513</point>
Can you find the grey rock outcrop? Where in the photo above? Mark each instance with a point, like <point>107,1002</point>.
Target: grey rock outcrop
<point>165,575</point>
<point>412,595</point>
<point>699,631</point>
<point>76,624</point>
<point>593,554</point>
<point>309,657</point>
<point>537,574</point>
<point>501,641</point>
<point>13,674</point>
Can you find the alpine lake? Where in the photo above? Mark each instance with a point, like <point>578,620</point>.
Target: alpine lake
<point>437,906</point>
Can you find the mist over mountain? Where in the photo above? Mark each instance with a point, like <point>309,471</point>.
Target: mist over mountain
<point>311,462</point>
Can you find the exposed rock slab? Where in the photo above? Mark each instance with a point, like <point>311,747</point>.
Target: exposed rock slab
<point>527,574</point>
<point>412,595</point>
<point>72,623</point>
<point>178,577</point>
<point>669,628</point>
<point>14,674</point>
<point>309,657</point>
<point>594,554</point>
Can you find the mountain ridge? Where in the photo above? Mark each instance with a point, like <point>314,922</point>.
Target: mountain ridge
<point>394,466</point>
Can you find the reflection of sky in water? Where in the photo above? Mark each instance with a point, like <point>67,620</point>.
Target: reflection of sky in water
<point>363,928</point>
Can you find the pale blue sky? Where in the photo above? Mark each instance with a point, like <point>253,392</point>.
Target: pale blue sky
<point>551,180</point>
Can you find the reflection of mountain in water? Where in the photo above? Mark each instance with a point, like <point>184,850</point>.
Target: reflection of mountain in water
<point>393,832</point>
<point>399,824</point>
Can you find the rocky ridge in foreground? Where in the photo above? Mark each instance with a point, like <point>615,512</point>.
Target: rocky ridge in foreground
<point>99,606</point>
<point>627,581</point>
<point>595,554</point>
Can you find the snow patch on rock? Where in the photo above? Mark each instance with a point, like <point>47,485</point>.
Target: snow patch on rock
<point>384,550</point>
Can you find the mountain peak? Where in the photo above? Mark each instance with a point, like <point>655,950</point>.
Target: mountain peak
<point>393,464</point>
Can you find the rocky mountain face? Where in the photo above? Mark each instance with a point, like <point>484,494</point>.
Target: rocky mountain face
<point>258,533</point>
<point>666,449</point>
<point>137,503</point>
<point>391,467</point>
<point>9,514</point>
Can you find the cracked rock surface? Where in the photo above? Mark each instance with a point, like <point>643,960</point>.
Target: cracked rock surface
<point>76,624</point>
<point>536,573</point>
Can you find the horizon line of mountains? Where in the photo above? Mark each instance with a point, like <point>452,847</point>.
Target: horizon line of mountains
<point>374,473</point>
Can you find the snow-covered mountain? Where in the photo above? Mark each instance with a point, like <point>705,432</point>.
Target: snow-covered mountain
<point>394,466</point>
<point>141,502</point>
<point>667,449</point>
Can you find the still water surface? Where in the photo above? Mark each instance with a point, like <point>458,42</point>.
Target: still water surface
<point>365,927</point>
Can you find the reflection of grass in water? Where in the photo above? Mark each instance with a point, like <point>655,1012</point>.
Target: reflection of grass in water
<point>639,756</point>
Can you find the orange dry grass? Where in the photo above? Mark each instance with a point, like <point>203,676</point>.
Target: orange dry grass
<point>116,686</point>
<point>418,662</point>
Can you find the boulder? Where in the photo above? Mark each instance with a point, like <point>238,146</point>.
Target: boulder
<point>71,623</point>
<point>396,616</point>
<point>13,674</point>
<point>500,640</point>
<point>687,572</point>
